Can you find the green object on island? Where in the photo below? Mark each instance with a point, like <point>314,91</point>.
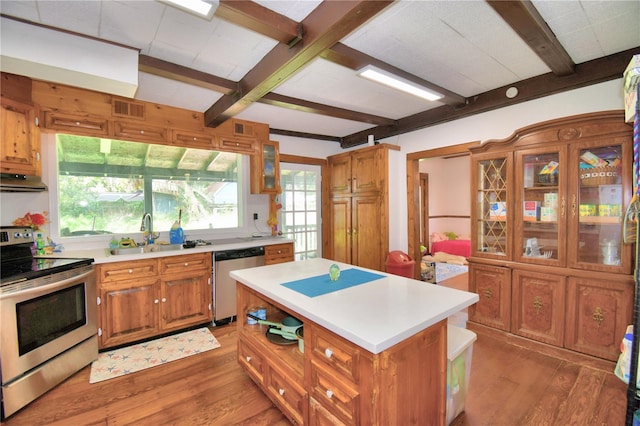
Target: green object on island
<point>334,272</point>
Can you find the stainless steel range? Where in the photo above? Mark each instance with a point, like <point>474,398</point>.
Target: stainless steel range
<point>48,314</point>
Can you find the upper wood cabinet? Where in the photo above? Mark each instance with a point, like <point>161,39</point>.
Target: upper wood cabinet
<point>357,171</point>
<point>139,131</point>
<point>194,139</point>
<point>265,169</point>
<point>77,124</point>
<point>20,139</point>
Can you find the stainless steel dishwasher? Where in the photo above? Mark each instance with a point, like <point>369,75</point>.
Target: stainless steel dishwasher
<point>224,288</point>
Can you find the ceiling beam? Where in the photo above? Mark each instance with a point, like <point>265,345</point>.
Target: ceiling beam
<point>355,60</point>
<point>185,75</point>
<point>526,21</point>
<point>258,18</point>
<point>283,101</point>
<point>323,27</point>
<point>586,74</point>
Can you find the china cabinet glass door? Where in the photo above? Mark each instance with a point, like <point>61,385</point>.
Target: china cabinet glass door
<point>491,177</point>
<point>597,206</point>
<point>540,206</point>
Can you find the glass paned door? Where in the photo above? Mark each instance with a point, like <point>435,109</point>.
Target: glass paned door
<point>599,205</point>
<point>492,207</point>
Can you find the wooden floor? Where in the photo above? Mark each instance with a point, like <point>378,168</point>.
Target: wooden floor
<point>511,384</point>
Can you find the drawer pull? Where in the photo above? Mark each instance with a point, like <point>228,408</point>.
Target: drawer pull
<point>131,271</point>
<point>279,251</point>
<point>328,352</point>
<point>164,299</point>
<point>248,359</point>
<point>281,391</point>
<point>156,301</point>
<point>598,316</point>
<point>329,393</point>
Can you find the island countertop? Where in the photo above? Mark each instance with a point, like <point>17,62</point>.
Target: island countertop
<point>375,315</point>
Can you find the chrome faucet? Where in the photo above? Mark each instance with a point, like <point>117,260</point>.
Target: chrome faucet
<point>149,236</point>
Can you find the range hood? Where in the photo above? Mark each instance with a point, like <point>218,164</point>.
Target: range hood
<point>10,182</point>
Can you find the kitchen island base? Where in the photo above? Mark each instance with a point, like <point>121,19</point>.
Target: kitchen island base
<point>338,382</point>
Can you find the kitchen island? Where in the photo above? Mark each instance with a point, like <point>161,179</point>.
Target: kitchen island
<point>375,352</point>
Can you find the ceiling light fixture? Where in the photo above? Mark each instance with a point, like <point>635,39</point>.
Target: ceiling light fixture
<point>380,76</point>
<point>201,8</point>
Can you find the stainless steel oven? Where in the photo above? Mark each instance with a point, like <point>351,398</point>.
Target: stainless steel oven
<point>48,327</point>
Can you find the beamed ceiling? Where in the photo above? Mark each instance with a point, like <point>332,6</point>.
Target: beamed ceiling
<point>292,64</point>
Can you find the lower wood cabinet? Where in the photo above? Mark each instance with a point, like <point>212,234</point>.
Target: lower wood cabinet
<point>144,298</point>
<point>278,253</point>
<point>337,382</point>
<point>586,313</point>
<point>493,286</point>
<point>538,306</point>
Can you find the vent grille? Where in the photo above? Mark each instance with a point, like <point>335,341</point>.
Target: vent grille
<point>128,109</point>
<point>242,129</point>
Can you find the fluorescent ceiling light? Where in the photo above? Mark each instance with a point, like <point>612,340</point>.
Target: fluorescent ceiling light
<point>375,74</point>
<point>204,9</point>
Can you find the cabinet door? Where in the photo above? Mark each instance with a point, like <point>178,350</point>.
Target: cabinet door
<point>139,132</point>
<point>286,389</point>
<point>366,232</point>
<point>265,169</point>
<point>278,253</point>
<point>366,170</point>
<point>77,124</point>
<point>493,286</point>
<point>193,139</point>
<point>244,146</point>
<point>598,196</point>
<point>340,173</point>
<point>540,206</point>
<point>598,313</point>
<point>538,302</point>
<point>493,212</point>
<point>186,299</point>
<point>128,311</point>
<point>20,141</point>
<point>341,229</point>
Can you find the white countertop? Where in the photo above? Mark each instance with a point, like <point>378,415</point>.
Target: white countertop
<point>104,256</point>
<point>375,315</point>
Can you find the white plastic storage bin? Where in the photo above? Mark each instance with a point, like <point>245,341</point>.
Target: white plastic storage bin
<point>459,351</point>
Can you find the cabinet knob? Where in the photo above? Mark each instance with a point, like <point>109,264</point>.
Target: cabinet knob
<point>329,393</point>
<point>131,271</point>
<point>328,353</point>
<point>164,299</point>
<point>537,304</point>
<point>142,132</point>
<point>281,391</point>
<point>488,293</point>
<point>77,123</point>
<point>248,359</point>
<point>156,301</point>
<point>598,316</point>
<point>279,251</point>
<point>186,263</point>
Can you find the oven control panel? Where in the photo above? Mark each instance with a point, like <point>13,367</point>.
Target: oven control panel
<point>11,235</point>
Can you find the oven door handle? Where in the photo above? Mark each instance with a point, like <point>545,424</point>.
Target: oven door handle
<point>56,285</point>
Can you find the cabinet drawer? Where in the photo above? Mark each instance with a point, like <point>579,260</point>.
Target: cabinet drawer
<point>252,360</point>
<point>319,416</point>
<point>278,253</point>
<point>193,139</point>
<point>120,271</point>
<point>334,394</point>
<point>76,124</point>
<point>186,262</point>
<point>139,132</point>
<point>289,395</point>
<point>334,352</point>
<point>238,145</point>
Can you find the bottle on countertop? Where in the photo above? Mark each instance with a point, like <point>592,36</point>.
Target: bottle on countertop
<point>39,245</point>
<point>176,234</point>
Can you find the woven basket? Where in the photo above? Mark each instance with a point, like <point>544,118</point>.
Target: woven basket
<point>599,175</point>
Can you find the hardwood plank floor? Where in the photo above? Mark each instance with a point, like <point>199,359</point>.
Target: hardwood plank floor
<point>512,383</point>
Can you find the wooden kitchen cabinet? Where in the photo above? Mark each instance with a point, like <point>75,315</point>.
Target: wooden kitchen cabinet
<point>359,206</point>
<point>538,306</point>
<point>265,169</point>
<point>192,139</point>
<point>278,253</point>
<point>598,312</point>
<point>493,286</point>
<point>337,382</point>
<point>20,143</point>
<point>77,124</point>
<point>139,131</point>
<point>145,298</point>
<point>239,145</point>
<point>548,205</point>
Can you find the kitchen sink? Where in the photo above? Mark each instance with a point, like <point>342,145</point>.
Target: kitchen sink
<point>145,249</point>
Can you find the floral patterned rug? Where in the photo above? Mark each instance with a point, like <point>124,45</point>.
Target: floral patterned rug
<point>140,356</point>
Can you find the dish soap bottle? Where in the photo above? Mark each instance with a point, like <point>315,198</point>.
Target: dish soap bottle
<point>39,245</point>
<point>176,234</point>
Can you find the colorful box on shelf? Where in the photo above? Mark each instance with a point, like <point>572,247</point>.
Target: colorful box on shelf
<point>498,211</point>
<point>588,210</point>
<point>531,211</point>
<point>607,210</point>
<point>551,199</point>
<point>548,214</point>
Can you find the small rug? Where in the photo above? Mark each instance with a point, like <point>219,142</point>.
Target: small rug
<point>152,353</point>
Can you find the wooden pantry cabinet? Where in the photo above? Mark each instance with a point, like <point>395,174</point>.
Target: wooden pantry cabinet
<point>337,382</point>
<point>143,298</point>
<point>548,207</point>
<point>359,206</point>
